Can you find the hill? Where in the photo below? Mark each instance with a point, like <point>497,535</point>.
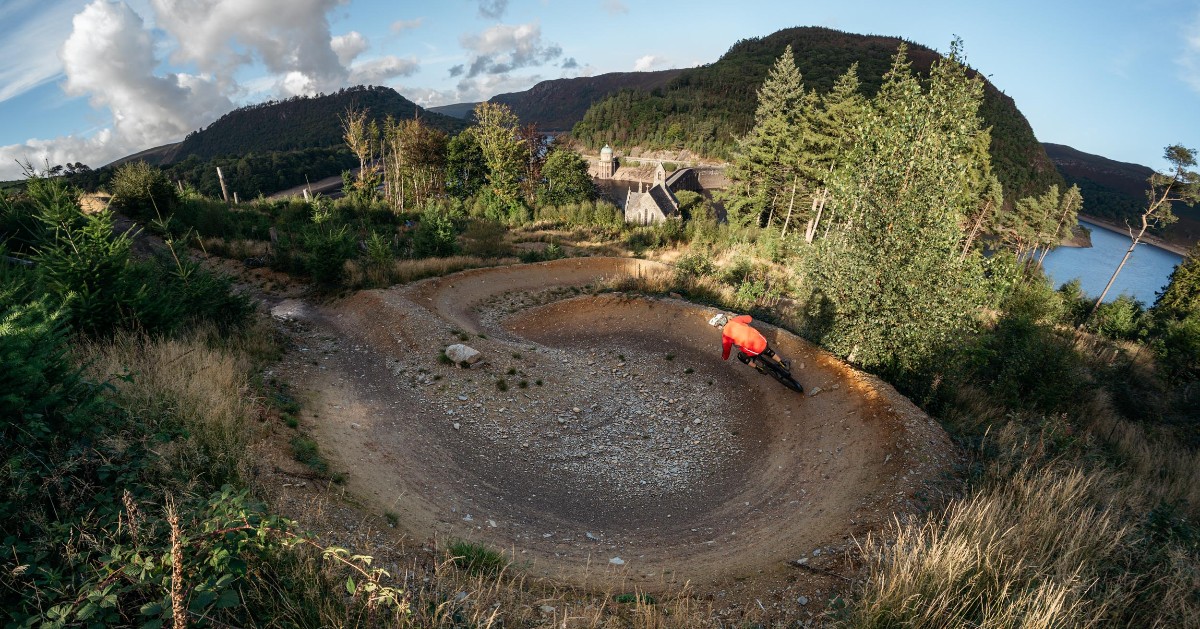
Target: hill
<point>462,111</point>
<point>558,104</point>
<point>300,123</point>
<point>275,145</point>
<point>705,109</point>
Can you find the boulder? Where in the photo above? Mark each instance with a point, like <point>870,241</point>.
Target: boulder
<point>290,310</point>
<point>462,355</point>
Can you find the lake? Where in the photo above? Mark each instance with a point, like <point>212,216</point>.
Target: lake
<point>1145,274</point>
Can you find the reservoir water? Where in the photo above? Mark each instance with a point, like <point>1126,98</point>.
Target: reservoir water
<point>1146,273</point>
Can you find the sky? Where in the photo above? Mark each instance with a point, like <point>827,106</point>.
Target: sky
<point>94,80</point>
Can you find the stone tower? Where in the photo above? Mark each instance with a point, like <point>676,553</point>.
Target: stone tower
<point>608,164</point>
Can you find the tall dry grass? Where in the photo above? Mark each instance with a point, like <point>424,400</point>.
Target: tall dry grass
<point>365,275</point>
<point>1027,553</point>
<point>196,395</point>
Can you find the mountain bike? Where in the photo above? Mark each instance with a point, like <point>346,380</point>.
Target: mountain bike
<point>780,372</point>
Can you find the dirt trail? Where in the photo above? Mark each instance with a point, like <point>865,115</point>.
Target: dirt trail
<point>621,446</point>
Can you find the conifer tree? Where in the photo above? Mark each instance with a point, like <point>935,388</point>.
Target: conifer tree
<point>771,158</point>
<point>1181,298</point>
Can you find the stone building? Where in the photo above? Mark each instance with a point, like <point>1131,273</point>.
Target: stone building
<point>653,206</point>
<point>608,163</point>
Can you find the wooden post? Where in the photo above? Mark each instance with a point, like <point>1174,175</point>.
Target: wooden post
<point>235,199</point>
<point>224,190</point>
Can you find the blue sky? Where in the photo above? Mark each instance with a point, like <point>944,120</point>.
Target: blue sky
<point>95,80</point>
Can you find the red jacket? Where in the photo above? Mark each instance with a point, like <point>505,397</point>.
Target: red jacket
<point>738,332</point>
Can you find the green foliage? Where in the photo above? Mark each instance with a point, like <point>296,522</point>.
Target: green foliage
<point>143,191</point>
<point>476,559</point>
<point>694,265</point>
<point>1181,297</point>
<point>565,179</point>
<point>466,168</point>
<point>498,132</point>
<point>1120,319</point>
<point>1178,349</point>
<point>596,213</point>
<point>436,233</point>
<point>327,248</point>
<point>892,269</point>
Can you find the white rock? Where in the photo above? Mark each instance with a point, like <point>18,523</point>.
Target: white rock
<point>463,355</point>
<point>813,391</point>
<point>290,310</point>
<point>547,609</point>
<point>803,600</point>
<point>616,561</point>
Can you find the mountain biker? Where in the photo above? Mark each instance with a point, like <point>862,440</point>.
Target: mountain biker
<point>750,342</point>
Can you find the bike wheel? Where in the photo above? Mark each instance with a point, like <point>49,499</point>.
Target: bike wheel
<point>779,373</point>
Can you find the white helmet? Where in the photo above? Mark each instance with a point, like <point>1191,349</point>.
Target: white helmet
<point>719,320</point>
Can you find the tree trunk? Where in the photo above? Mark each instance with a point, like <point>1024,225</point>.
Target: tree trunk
<point>818,208</point>
<point>1132,245</point>
<point>791,204</point>
<point>975,229</point>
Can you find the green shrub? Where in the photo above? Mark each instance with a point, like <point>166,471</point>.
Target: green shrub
<point>694,265</point>
<point>142,191</point>
<point>435,234</point>
<point>476,559</point>
<point>326,250</point>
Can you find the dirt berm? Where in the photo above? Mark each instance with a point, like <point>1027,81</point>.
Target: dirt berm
<point>603,436</point>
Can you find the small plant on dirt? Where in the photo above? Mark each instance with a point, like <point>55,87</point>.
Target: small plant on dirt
<point>393,520</point>
<point>502,384</point>
<point>524,384</point>
<point>538,382</point>
<point>443,359</point>
<point>512,371</point>
<point>476,559</point>
<point>689,370</point>
<point>306,451</point>
<point>290,420</point>
<point>670,356</point>
<point>517,355</point>
<point>634,597</point>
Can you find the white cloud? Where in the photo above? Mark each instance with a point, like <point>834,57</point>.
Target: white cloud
<point>287,36</point>
<point>349,46</point>
<point>504,48</point>
<point>615,7</point>
<point>648,62</point>
<point>379,71</point>
<point>399,26</point>
<point>95,151</point>
<point>110,58</point>
<point>32,32</point>
<point>1189,60</point>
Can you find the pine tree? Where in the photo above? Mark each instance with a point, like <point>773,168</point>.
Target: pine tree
<point>1181,298</point>
<point>771,158</point>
